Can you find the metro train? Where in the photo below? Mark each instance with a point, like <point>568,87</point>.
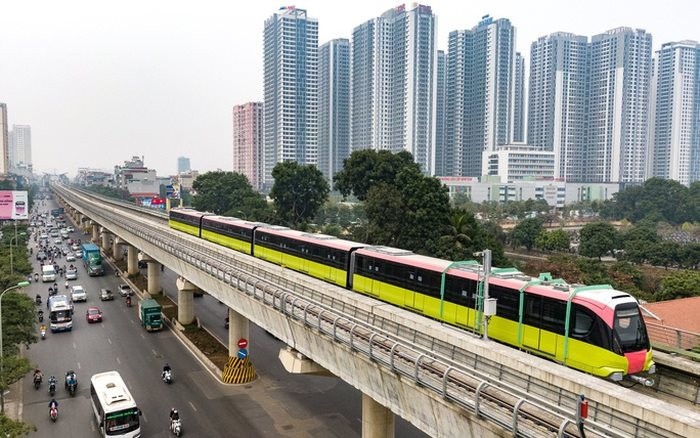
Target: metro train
<point>594,329</point>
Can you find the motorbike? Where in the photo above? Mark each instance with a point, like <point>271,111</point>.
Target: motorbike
<point>72,388</point>
<point>176,427</point>
<point>36,278</point>
<point>53,414</point>
<point>71,382</point>
<point>40,315</point>
<point>37,300</point>
<point>37,382</point>
<point>52,388</point>
<point>43,333</point>
<point>167,377</point>
<point>128,301</point>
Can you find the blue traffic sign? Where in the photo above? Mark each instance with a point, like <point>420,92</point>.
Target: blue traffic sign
<point>242,353</point>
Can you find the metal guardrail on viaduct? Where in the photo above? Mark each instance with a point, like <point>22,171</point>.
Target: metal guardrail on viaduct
<point>439,378</point>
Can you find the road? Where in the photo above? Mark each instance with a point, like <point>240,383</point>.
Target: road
<point>277,404</point>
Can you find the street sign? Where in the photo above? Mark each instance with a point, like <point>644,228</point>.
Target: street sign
<point>242,353</point>
<point>242,343</point>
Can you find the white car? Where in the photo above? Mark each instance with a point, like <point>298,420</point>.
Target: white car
<point>70,257</point>
<point>78,294</point>
<point>72,274</point>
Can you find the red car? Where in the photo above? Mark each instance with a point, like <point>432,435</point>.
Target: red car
<point>93,314</point>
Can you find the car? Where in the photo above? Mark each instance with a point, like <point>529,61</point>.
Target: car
<point>70,229</point>
<point>106,295</point>
<point>71,274</point>
<point>125,290</point>
<point>75,247</point>
<point>40,255</point>
<point>78,294</point>
<point>65,250</point>
<point>93,314</point>
<point>78,254</point>
<point>58,241</point>
<point>70,257</point>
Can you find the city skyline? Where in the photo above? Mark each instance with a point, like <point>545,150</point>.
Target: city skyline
<point>167,88</point>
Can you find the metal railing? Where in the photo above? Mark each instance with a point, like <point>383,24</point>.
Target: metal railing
<point>676,339</point>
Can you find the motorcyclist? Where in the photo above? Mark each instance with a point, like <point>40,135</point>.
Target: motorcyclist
<point>36,277</point>
<point>38,376</point>
<point>71,378</point>
<point>40,314</point>
<point>166,368</point>
<point>52,383</point>
<point>53,404</point>
<point>66,284</point>
<point>128,300</point>
<point>37,299</point>
<point>174,415</point>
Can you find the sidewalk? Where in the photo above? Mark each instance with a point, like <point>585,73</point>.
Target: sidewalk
<point>13,401</point>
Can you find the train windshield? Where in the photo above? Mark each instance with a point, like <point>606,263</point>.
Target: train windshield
<point>629,330</point>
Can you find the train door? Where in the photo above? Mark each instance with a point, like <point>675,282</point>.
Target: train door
<point>412,293</point>
<point>531,321</point>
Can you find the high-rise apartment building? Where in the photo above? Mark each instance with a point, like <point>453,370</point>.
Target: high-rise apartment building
<point>290,90</point>
<point>440,86</point>
<point>393,83</point>
<point>557,101</point>
<point>4,141</point>
<point>20,141</point>
<point>183,165</point>
<point>248,142</point>
<point>479,99</point>
<point>519,99</point>
<point>333,106</point>
<point>674,142</point>
<point>618,106</point>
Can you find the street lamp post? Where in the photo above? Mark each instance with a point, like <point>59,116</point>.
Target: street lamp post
<point>12,266</point>
<point>2,353</point>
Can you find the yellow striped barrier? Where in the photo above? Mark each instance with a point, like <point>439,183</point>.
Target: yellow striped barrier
<point>239,370</point>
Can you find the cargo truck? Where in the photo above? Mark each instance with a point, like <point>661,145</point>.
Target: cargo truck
<point>150,314</point>
<point>92,259</point>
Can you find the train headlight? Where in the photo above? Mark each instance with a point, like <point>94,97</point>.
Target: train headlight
<point>616,377</point>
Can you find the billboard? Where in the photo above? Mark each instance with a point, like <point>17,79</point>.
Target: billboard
<point>14,204</point>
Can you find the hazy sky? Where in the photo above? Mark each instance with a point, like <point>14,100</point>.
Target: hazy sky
<point>100,81</point>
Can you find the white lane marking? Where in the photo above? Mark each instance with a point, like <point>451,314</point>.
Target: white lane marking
<point>75,347</point>
<point>109,340</point>
<point>192,406</point>
<point>119,361</point>
<point>155,353</point>
<point>78,365</point>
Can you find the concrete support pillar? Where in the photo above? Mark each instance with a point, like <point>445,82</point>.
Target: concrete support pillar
<point>117,253</point>
<point>106,235</point>
<point>95,232</point>
<point>377,421</point>
<point>132,265</point>
<point>238,328</point>
<point>153,277</point>
<point>185,299</point>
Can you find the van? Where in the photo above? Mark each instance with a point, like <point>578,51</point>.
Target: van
<point>48,274</point>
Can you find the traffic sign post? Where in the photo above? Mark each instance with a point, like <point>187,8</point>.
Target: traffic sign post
<point>242,353</point>
<point>242,343</point>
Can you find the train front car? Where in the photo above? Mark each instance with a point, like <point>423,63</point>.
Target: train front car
<point>186,220</point>
<point>614,340</point>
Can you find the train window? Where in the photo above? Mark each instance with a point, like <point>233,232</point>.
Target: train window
<point>533,310</point>
<point>583,323</point>
<point>553,314</point>
<point>588,327</point>
<point>507,302</point>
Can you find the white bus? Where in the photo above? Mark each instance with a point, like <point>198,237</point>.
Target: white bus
<point>60,313</point>
<point>115,410</point>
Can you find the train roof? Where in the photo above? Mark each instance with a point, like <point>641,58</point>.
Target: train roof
<point>601,295</point>
<point>315,238</point>
<point>190,212</point>
<point>234,221</point>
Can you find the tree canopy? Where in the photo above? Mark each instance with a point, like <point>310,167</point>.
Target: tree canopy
<point>367,168</point>
<point>226,193</point>
<point>298,193</point>
<point>526,232</point>
<point>598,239</point>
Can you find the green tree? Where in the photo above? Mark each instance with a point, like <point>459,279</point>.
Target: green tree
<point>525,233</point>
<point>222,192</point>
<point>110,192</point>
<point>367,167</point>
<point>598,239</point>
<point>556,240</point>
<point>18,329</point>
<point>299,192</point>
<point>656,200</point>
<point>12,428</point>
<point>679,284</point>
<point>665,254</point>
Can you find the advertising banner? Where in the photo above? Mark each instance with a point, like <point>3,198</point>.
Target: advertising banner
<point>14,204</point>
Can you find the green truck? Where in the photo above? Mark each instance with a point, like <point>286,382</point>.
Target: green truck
<point>92,259</point>
<point>150,314</point>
